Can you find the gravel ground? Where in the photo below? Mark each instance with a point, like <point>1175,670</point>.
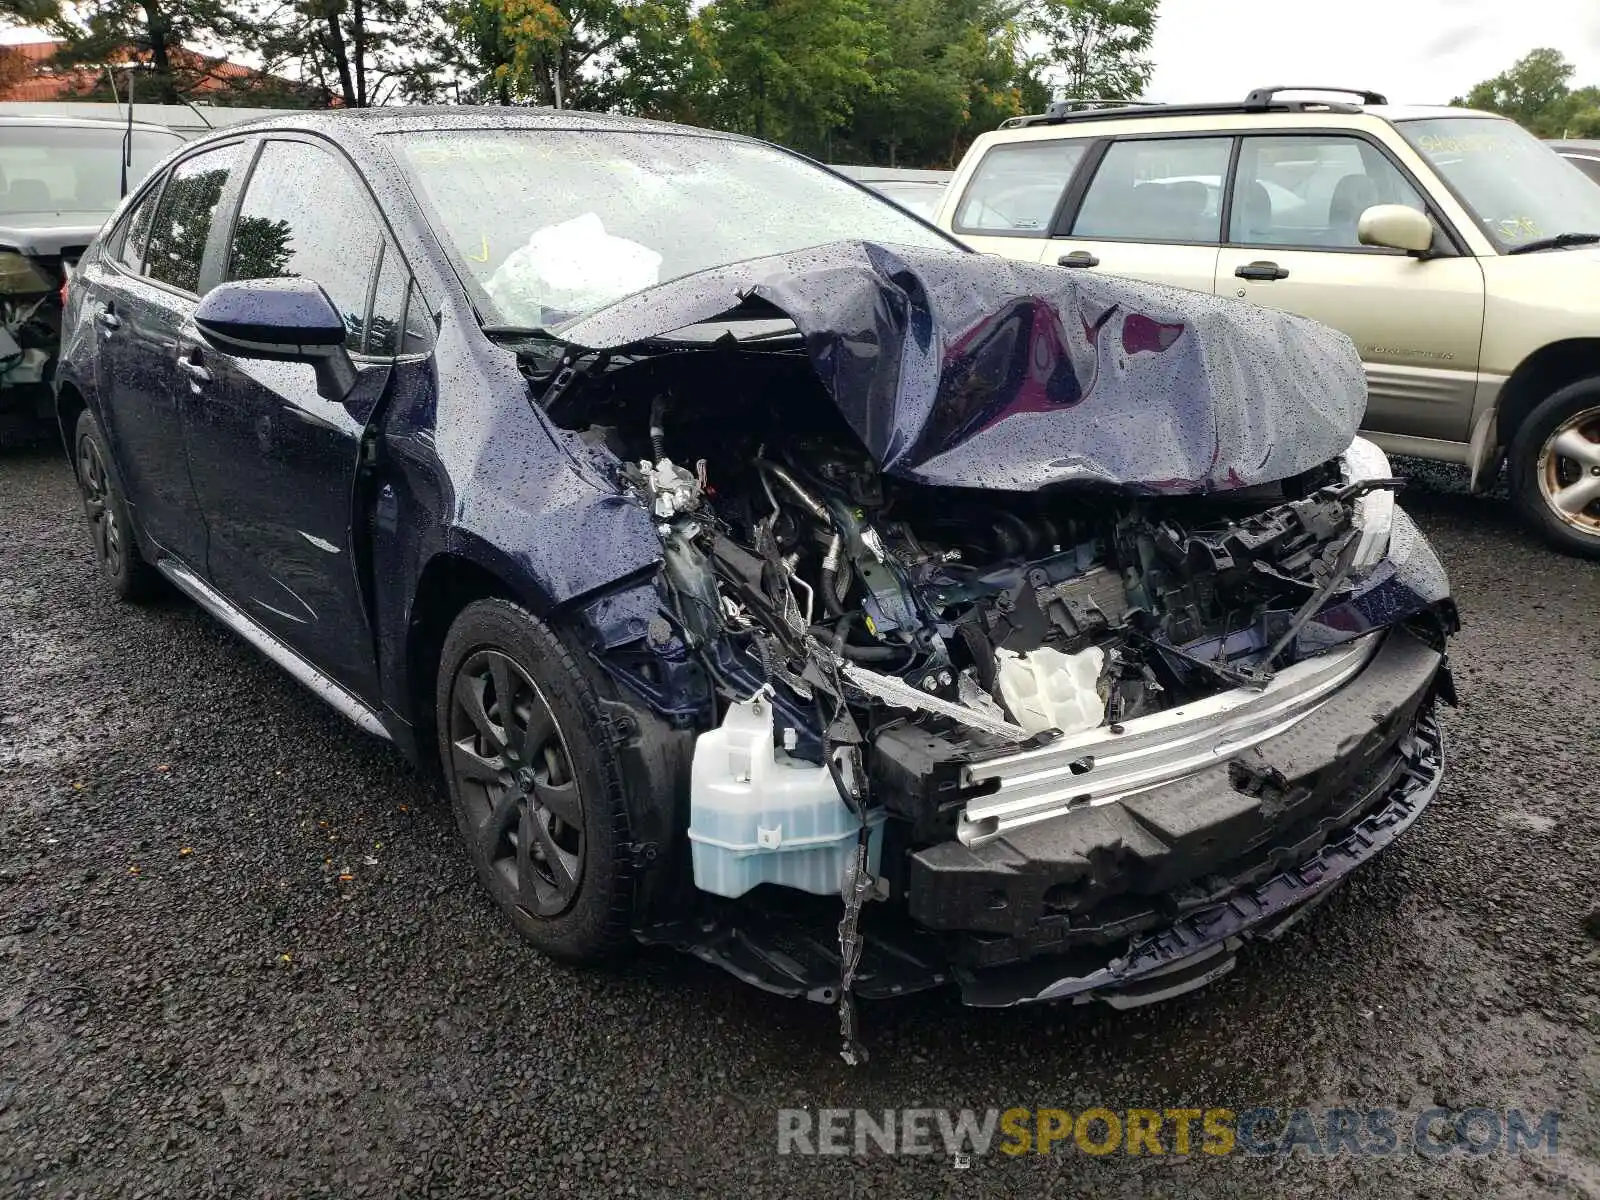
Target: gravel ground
<point>241,952</point>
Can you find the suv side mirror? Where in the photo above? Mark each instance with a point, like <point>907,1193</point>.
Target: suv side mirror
<point>282,320</point>
<point>1397,227</point>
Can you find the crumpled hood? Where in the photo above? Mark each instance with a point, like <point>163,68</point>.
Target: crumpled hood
<point>968,370</point>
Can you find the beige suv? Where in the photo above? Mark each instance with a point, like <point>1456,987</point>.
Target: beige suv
<point>1456,250</point>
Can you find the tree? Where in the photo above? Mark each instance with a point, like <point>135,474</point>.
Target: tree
<point>616,55</point>
<point>657,65</point>
<point>788,70</point>
<point>36,14</point>
<point>357,52</point>
<point>152,32</point>
<point>946,71</point>
<point>503,44</point>
<point>1100,49</point>
<point>1535,93</point>
<point>1583,120</point>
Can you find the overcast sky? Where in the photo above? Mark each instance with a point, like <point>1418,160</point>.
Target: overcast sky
<point>1417,51</point>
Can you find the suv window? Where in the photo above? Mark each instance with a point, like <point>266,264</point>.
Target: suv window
<point>1016,187</point>
<point>182,221</point>
<point>327,233</point>
<point>1311,191</point>
<point>1157,190</point>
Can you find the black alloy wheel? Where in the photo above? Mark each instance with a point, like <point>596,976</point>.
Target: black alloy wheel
<point>116,549</point>
<point>513,773</point>
<point>531,764</point>
<point>103,525</point>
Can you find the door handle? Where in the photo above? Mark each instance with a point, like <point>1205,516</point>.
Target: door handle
<point>1078,258</point>
<point>1263,271</point>
<point>197,374</point>
<point>108,319</point>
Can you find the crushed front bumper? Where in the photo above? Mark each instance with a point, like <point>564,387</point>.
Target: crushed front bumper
<point>1252,798</point>
<point>1254,842</point>
<point>1200,946</point>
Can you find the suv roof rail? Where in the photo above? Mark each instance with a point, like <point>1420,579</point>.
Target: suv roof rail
<point>1060,108</point>
<point>1260,100</point>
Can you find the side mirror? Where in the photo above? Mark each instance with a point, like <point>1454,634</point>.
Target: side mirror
<point>1397,227</point>
<point>282,320</point>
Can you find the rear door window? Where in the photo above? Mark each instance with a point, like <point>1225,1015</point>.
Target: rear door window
<point>1016,188</point>
<point>182,222</point>
<point>1310,191</point>
<point>327,233</point>
<point>1157,190</point>
<point>129,251</point>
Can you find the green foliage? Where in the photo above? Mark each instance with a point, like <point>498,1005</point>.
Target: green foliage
<point>1583,118</point>
<point>905,82</point>
<point>260,248</point>
<point>38,14</point>
<point>788,70</point>
<point>1535,92</point>
<point>946,71</point>
<point>355,53</point>
<point>636,56</point>
<point>156,30</point>
<point>1098,49</point>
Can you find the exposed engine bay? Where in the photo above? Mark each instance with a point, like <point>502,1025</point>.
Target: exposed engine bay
<point>30,330</point>
<point>1014,616</point>
<point>917,581</point>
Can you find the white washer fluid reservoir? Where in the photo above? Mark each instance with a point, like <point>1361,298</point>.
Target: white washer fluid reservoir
<point>757,815</point>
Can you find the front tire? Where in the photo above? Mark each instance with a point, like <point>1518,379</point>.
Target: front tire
<point>116,548</point>
<point>536,786</point>
<point>1555,468</point>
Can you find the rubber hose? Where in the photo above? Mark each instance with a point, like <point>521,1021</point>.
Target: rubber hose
<point>858,653</point>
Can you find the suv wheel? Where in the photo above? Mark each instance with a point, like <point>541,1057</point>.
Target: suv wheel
<point>535,784</point>
<point>1555,468</point>
<point>116,550</point>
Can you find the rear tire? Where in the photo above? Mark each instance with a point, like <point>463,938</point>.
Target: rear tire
<point>535,783</point>
<point>1555,468</point>
<point>116,547</point>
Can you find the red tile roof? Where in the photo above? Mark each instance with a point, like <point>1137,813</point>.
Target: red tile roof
<point>43,81</point>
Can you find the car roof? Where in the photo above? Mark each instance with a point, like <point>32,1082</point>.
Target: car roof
<point>425,117</point>
<point>22,119</point>
<point>1259,106</point>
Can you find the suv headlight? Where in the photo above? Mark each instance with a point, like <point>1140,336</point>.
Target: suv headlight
<point>1375,510</point>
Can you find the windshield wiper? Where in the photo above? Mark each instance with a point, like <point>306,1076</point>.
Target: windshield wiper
<point>1556,243</point>
<point>520,331</point>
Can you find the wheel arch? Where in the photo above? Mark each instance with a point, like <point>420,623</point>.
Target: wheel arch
<point>448,583</point>
<point>655,756</point>
<point>1543,373</point>
<point>70,405</point>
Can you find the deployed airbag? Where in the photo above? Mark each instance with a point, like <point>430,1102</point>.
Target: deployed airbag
<point>568,268</point>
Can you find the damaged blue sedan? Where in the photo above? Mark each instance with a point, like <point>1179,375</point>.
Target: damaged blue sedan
<point>760,572</point>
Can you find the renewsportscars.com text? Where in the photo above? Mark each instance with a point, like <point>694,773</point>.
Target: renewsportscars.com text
<point>962,1133</point>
